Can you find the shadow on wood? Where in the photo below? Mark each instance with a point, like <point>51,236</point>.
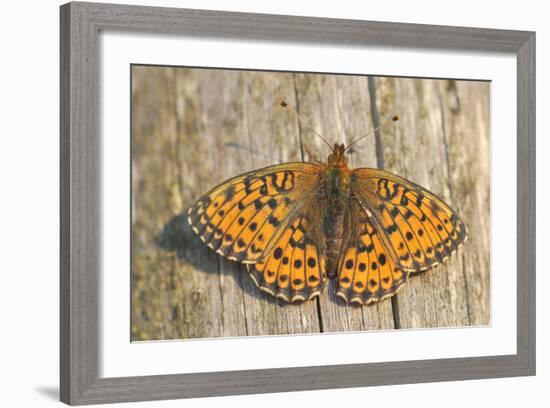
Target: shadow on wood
<point>177,236</point>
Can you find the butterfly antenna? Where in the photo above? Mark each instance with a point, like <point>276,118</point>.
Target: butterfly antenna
<point>386,123</point>
<point>283,104</point>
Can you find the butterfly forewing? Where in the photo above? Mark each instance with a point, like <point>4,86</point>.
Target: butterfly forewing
<point>418,228</point>
<point>239,217</point>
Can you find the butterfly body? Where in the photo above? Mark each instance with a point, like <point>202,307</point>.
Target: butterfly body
<point>298,224</point>
<point>337,183</point>
<point>334,194</point>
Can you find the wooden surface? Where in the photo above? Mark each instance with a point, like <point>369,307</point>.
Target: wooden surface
<point>194,128</point>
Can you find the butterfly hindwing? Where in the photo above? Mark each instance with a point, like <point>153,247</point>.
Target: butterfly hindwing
<point>367,271</point>
<point>418,228</point>
<point>294,268</point>
<point>240,217</point>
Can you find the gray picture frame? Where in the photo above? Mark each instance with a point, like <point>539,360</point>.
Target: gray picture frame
<point>81,24</point>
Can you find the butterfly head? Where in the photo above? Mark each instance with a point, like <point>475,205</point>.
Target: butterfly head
<point>338,156</point>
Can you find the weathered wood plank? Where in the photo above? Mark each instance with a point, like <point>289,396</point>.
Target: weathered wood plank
<point>418,149</point>
<point>338,107</point>
<point>172,302</point>
<point>467,119</point>
<point>195,128</point>
<point>265,130</point>
<point>415,150</point>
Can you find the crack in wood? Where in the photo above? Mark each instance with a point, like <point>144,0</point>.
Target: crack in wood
<point>451,189</point>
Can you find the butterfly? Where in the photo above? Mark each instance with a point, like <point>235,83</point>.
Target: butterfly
<point>297,225</point>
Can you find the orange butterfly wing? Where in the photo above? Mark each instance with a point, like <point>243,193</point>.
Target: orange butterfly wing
<point>417,228</point>
<point>396,227</point>
<point>262,218</point>
<point>367,271</point>
<point>294,269</point>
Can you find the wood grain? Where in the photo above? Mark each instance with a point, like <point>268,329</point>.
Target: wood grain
<point>193,128</point>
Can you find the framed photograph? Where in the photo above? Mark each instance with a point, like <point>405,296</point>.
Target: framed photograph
<point>259,203</point>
